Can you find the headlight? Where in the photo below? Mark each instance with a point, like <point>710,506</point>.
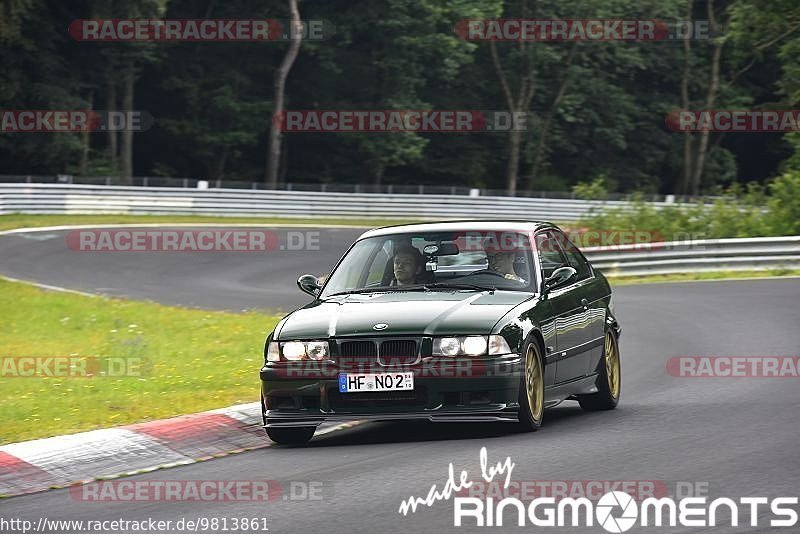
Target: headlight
<point>498,345</point>
<point>459,346</point>
<point>294,350</point>
<point>474,345</point>
<point>273,352</point>
<point>447,346</point>
<point>317,350</point>
<point>301,350</point>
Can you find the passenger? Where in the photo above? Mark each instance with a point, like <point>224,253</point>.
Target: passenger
<point>501,260</point>
<point>408,265</point>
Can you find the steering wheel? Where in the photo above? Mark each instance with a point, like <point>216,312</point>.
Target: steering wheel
<point>489,271</point>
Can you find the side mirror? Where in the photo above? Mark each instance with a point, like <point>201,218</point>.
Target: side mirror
<point>308,283</point>
<point>560,277</point>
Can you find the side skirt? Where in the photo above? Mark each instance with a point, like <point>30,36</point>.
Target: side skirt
<point>555,395</point>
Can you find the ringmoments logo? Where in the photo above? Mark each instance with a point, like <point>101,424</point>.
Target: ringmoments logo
<point>615,511</point>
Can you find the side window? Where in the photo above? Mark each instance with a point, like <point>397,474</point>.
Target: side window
<point>574,256</point>
<point>550,255</point>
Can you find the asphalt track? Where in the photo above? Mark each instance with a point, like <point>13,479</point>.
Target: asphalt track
<point>213,280</point>
<point>737,437</point>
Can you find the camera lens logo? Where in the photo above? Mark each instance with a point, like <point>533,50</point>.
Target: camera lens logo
<point>607,504</point>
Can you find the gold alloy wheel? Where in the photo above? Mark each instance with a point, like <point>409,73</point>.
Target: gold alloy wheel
<point>534,384</point>
<point>612,365</point>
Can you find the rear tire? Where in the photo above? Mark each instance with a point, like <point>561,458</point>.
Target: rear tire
<point>531,389</point>
<point>291,436</point>
<point>610,382</point>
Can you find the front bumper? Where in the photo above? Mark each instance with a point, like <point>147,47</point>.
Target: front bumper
<point>467,390</point>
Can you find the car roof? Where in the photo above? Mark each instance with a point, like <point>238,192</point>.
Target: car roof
<point>504,225</point>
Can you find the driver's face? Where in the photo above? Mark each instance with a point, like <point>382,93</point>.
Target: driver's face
<point>500,261</point>
<point>405,267</point>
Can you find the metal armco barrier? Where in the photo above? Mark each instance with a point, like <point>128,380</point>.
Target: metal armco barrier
<point>745,254</point>
<point>89,199</point>
<point>624,260</point>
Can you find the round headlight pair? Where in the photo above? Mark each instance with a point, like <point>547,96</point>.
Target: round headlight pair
<point>460,346</point>
<point>305,350</point>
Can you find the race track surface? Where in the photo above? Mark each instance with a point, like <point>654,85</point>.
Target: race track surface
<point>213,280</point>
<point>737,437</point>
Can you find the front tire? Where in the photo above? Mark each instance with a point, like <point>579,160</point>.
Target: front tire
<point>291,436</point>
<point>531,390</point>
<point>610,383</point>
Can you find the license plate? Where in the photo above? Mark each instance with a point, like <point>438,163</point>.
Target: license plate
<point>359,383</point>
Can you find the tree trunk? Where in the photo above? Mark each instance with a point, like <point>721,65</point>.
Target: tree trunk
<point>683,187</point>
<point>83,166</point>
<point>111,106</point>
<point>217,171</point>
<point>520,103</point>
<point>548,120</point>
<point>512,172</point>
<point>377,175</point>
<point>711,98</point>
<point>284,166</point>
<point>126,151</point>
<point>274,149</point>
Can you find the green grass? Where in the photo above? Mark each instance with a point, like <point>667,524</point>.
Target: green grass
<point>690,277</point>
<point>12,221</point>
<point>189,360</point>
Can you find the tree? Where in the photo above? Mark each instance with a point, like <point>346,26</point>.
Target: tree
<point>274,150</point>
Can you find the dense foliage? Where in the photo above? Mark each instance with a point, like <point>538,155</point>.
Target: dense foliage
<point>598,108</point>
<point>740,211</point>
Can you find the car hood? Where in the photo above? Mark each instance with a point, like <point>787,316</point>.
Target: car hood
<point>421,313</point>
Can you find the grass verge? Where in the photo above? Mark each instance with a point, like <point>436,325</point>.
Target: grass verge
<point>692,277</point>
<point>13,221</point>
<point>170,361</point>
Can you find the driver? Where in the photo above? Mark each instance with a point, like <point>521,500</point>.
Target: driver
<point>501,260</point>
<point>407,263</point>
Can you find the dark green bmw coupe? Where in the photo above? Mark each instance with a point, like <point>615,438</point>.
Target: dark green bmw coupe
<point>456,321</point>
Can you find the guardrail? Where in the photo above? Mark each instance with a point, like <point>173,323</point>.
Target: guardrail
<point>745,254</point>
<point>89,199</point>
<point>337,187</point>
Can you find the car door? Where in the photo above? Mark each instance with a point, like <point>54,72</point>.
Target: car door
<point>592,294</point>
<point>569,314</point>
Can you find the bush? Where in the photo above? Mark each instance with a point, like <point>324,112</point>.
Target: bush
<point>741,212</point>
<point>594,190</point>
<point>784,205</point>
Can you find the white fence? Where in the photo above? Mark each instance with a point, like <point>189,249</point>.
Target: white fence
<point>747,254</point>
<point>89,199</point>
<point>624,260</point>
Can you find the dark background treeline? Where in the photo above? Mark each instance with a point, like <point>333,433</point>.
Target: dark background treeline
<point>599,108</point>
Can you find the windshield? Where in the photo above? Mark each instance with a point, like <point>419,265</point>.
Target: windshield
<point>465,260</point>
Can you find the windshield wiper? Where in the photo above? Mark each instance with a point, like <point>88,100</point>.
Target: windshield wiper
<point>382,289</point>
<point>460,285</point>
<point>413,287</point>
